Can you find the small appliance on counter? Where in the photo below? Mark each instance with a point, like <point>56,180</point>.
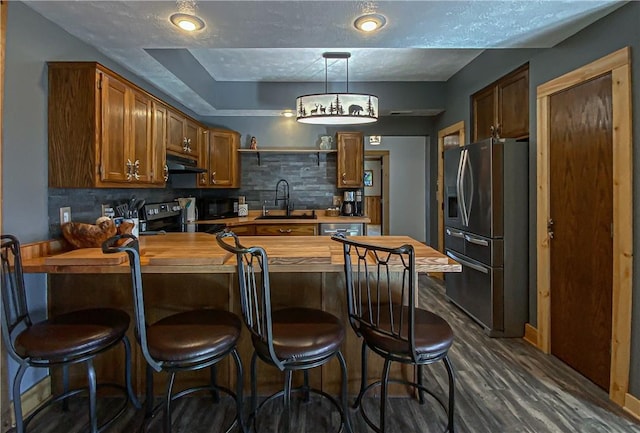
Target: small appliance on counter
<point>348,203</point>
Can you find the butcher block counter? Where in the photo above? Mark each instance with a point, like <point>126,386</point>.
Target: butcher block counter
<point>185,271</point>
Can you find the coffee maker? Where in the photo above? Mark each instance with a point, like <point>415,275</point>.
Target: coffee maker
<point>348,203</point>
<point>357,210</point>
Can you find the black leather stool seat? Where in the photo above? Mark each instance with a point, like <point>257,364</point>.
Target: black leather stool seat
<point>73,335</point>
<point>303,334</point>
<point>433,335</point>
<point>193,335</point>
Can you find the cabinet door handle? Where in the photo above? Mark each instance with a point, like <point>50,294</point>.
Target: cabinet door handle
<point>166,172</point>
<point>129,169</point>
<point>136,169</point>
<point>213,177</point>
<point>203,179</point>
<point>284,231</point>
<point>344,180</point>
<point>186,144</point>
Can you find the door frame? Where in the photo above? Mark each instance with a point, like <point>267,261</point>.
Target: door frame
<point>618,64</point>
<point>456,128</point>
<point>383,155</point>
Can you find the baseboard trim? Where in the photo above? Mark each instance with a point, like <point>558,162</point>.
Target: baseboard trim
<point>530,334</point>
<point>632,405</point>
<point>33,398</point>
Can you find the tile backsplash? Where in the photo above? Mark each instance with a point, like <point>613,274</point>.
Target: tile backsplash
<point>311,178</point>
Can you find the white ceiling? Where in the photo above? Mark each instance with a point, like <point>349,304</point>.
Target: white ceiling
<point>283,41</point>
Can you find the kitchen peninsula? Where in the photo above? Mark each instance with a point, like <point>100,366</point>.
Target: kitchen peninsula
<point>182,271</point>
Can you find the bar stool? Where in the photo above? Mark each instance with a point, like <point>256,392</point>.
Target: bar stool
<point>389,322</point>
<point>290,339</point>
<point>185,341</point>
<point>70,338</point>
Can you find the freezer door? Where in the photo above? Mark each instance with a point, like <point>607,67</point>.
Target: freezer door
<point>487,251</point>
<point>481,183</point>
<point>452,213</point>
<point>479,291</point>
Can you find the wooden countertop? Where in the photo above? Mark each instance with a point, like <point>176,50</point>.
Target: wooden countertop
<point>199,253</point>
<point>321,218</point>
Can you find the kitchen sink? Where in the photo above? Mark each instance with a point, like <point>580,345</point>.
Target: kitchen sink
<point>305,216</point>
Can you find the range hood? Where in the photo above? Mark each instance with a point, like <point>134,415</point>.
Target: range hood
<point>181,164</point>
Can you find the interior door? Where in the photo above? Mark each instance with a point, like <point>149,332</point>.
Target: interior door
<point>581,165</point>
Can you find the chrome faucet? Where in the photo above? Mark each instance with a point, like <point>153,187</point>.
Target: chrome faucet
<point>285,194</point>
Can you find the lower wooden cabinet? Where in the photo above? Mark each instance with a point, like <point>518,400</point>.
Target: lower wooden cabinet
<point>286,229</point>
<point>248,230</point>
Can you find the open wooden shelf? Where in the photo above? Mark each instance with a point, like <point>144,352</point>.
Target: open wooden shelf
<point>288,150</point>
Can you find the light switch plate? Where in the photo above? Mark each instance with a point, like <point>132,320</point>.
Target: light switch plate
<point>65,215</point>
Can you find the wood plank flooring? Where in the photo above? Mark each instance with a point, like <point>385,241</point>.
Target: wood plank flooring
<point>503,386</point>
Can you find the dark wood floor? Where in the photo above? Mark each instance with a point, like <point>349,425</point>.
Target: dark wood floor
<point>503,386</point>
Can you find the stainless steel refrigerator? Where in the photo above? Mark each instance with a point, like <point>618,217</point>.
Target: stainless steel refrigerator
<point>486,230</point>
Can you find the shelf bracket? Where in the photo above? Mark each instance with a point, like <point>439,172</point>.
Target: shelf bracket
<point>318,158</point>
<point>258,156</point>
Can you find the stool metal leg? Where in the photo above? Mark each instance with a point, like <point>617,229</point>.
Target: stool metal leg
<point>148,404</point>
<point>254,386</point>
<point>305,394</point>
<point>452,388</point>
<point>167,403</point>
<point>91,376</point>
<point>65,386</point>
<point>214,392</point>
<point>363,378</point>
<point>239,386</point>
<point>345,405</point>
<point>383,394</point>
<point>420,382</point>
<point>17,404</point>
<point>127,373</point>
<point>287,400</point>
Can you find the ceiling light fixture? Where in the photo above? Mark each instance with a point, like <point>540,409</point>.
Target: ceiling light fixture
<point>186,17</point>
<point>370,22</point>
<point>337,108</point>
<point>375,140</point>
<point>287,113</point>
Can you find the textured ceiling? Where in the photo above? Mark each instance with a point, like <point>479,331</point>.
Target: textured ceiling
<point>283,41</point>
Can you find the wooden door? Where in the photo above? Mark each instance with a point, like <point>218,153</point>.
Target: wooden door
<point>513,105</point>
<point>484,113</point>
<point>159,143</point>
<point>141,145</point>
<point>115,130</point>
<point>581,250</point>
<point>350,160</point>
<point>222,159</point>
<point>175,131</point>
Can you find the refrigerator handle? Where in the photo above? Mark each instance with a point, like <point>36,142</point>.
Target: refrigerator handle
<point>469,169</point>
<point>476,241</point>
<point>463,208</point>
<point>455,234</point>
<point>468,264</point>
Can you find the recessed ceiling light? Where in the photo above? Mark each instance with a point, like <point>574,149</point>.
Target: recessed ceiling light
<point>189,23</point>
<point>370,22</point>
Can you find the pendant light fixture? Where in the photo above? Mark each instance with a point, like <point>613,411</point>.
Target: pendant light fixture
<point>337,108</point>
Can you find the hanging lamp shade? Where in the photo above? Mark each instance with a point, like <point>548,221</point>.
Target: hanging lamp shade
<point>336,108</point>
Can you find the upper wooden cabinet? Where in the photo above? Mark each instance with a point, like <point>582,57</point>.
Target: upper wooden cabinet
<point>182,134</point>
<point>219,156</point>
<point>100,130</point>
<point>159,118</point>
<point>504,105</point>
<point>350,167</point>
